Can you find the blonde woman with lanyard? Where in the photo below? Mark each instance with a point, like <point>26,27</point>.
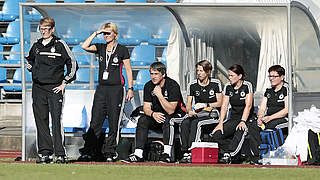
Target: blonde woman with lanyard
<point>109,95</point>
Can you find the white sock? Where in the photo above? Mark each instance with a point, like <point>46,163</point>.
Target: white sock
<point>138,152</point>
<point>167,149</point>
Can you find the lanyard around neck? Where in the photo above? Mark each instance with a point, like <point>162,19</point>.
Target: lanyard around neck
<point>109,57</point>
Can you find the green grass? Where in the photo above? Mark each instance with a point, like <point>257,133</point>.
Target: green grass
<point>12,171</point>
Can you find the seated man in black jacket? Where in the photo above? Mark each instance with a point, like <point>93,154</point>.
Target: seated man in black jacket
<point>162,102</point>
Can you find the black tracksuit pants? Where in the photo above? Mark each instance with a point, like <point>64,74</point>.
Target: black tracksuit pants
<point>145,123</point>
<point>45,101</point>
<point>275,122</point>
<point>231,140</point>
<point>108,101</point>
<point>192,128</point>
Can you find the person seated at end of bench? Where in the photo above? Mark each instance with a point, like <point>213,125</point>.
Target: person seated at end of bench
<point>162,102</point>
<point>273,110</point>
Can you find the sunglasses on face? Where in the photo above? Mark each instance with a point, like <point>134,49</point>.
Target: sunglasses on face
<point>273,76</point>
<point>44,28</point>
<point>106,33</point>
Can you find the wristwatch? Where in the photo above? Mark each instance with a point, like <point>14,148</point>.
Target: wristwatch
<point>130,88</point>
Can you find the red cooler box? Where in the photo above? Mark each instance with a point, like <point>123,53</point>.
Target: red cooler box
<point>204,152</point>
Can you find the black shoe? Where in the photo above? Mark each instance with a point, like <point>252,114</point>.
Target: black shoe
<point>132,158</point>
<point>44,159</point>
<point>111,157</point>
<point>186,158</point>
<point>165,158</point>
<point>226,159</point>
<point>85,158</point>
<point>61,160</point>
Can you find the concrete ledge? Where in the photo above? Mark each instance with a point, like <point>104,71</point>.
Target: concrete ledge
<point>10,142</point>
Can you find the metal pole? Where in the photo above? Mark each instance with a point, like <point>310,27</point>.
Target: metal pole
<point>23,84</point>
<point>290,98</point>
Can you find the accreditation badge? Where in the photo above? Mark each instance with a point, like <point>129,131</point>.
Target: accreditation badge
<point>105,75</point>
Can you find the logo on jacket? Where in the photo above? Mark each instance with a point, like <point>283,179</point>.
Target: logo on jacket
<point>281,96</point>
<point>101,58</point>
<point>211,92</point>
<point>268,95</point>
<point>197,93</point>
<point>37,51</point>
<point>53,49</point>
<point>115,59</point>
<point>242,94</point>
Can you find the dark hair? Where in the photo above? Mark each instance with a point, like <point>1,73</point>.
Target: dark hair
<point>279,69</point>
<point>236,68</point>
<point>206,65</point>
<point>159,66</point>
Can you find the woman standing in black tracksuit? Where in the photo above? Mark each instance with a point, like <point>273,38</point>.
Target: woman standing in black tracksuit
<point>46,61</point>
<point>109,95</point>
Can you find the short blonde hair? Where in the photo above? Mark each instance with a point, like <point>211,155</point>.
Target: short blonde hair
<point>113,27</point>
<point>47,21</point>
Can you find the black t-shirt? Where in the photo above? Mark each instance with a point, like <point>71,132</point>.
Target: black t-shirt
<point>170,91</point>
<point>114,66</point>
<point>204,94</point>
<point>238,99</point>
<point>275,100</point>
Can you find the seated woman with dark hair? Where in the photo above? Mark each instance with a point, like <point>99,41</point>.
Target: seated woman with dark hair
<point>239,94</point>
<point>273,110</point>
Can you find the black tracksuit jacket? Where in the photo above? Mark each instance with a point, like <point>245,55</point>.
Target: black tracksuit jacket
<point>48,62</point>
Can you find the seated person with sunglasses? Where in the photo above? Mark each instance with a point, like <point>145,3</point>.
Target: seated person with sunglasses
<point>273,110</point>
<point>109,96</point>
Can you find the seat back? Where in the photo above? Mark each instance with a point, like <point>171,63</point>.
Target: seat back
<point>83,75</point>
<point>135,1</point>
<point>164,56</point>
<point>124,74</point>
<point>74,1</point>
<point>74,36</point>
<point>96,76</point>
<point>81,58</point>
<point>14,57</point>
<point>168,1</point>
<point>13,31</point>
<point>11,7</point>
<point>105,1</point>
<point>162,35</point>
<point>1,55</point>
<point>3,75</point>
<point>143,55</point>
<point>17,77</point>
<point>142,78</point>
<point>45,1</point>
<point>139,34</point>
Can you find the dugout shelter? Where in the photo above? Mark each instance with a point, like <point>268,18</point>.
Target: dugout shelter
<point>255,35</point>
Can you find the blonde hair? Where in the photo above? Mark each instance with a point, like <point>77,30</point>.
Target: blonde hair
<point>113,27</point>
<point>47,21</point>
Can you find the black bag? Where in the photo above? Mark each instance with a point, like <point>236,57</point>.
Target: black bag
<point>313,148</point>
<point>137,112</point>
<point>93,145</point>
<point>153,151</point>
